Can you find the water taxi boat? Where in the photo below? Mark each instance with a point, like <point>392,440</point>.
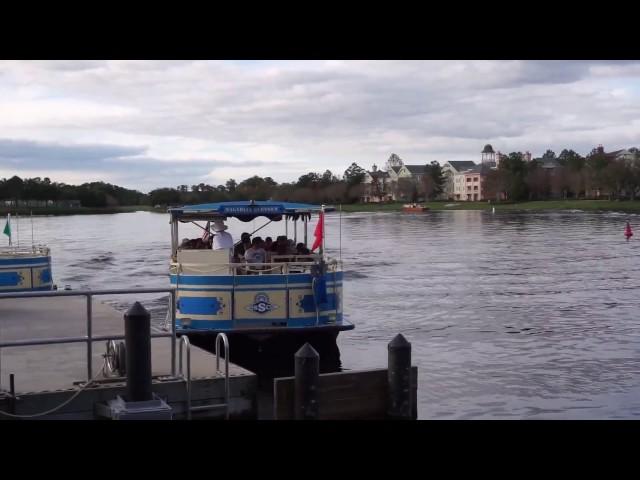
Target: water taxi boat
<point>414,208</point>
<point>25,269</point>
<point>219,292</point>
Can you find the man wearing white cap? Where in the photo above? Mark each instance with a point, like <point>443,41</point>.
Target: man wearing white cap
<point>221,240</point>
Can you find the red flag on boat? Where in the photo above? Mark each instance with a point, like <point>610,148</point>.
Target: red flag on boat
<point>319,232</point>
<point>627,231</point>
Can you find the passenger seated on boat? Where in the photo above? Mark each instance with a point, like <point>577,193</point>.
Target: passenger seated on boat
<point>243,246</point>
<point>268,243</point>
<point>193,244</point>
<point>256,253</point>
<point>301,249</point>
<point>280,247</point>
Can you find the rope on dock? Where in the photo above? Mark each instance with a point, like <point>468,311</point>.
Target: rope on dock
<point>66,402</point>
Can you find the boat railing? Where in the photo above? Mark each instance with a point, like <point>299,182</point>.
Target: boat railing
<point>277,266</point>
<point>24,250</point>
<point>90,338</point>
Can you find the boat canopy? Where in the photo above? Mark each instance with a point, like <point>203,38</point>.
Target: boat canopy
<point>245,210</point>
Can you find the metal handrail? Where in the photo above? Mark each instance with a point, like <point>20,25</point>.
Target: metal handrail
<point>226,404</point>
<point>222,336</point>
<point>90,338</point>
<point>25,250</point>
<point>332,265</point>
<point>184,340</point>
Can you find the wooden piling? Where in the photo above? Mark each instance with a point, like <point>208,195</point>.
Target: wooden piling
<point>137,332</point>
<point>307,372</point>
<point>399,375</point>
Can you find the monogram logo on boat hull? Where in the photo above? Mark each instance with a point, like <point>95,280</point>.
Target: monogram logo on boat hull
<point>261,304</point>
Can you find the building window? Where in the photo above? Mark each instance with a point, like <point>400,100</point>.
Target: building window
<point>475,179</point>
<point>475,196</point>
<point>468,179</point>
<point>475,187</point>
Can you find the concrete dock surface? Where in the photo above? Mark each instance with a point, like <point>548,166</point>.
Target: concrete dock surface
<point>47,368</point>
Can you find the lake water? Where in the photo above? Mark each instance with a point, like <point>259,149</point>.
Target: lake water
<point>510,315</point>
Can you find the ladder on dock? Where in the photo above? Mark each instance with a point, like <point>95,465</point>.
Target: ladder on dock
<point>184,341</point>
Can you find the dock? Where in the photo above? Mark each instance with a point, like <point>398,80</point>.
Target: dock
<point>45,376</point>
<point>55,364</point>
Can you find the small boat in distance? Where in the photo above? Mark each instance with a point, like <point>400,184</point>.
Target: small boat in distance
<point>414,208</point>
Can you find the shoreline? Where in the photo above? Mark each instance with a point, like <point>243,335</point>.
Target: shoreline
<point>54,211</point>
<point>626,206</point>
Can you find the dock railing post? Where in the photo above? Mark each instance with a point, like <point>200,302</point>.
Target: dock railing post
<point>307,372</point>
<point>137,332</point>
<point>89,338</point>
<point>172,300</point>
<point>399,378</point>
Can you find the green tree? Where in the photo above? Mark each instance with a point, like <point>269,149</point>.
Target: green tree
<point>514,171</point>
<point>354,175</point>
<point>13,188</point>
<point>569,157</point>
<point>433,180</point>
<point>308,180</point>
<point>328,178</point>
<point>231,185</point>
<point>165,196</point>
<point>256,188</point>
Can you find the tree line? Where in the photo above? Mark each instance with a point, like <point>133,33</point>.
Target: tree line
<point>16,190</point>
<point>311,187</point>
<point>568,175</point>
<point>515,179</point>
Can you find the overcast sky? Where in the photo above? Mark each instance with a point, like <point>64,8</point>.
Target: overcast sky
<point>148,124</point>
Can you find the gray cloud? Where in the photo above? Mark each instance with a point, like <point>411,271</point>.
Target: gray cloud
<point>240,118</point>
<point>32,153</point>
<point>128,165</point>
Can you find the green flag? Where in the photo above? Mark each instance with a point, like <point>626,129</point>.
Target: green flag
<point>7,229</point>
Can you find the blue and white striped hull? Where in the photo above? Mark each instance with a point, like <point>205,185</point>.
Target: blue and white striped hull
<point>25,274</point>
<point>228,303</point>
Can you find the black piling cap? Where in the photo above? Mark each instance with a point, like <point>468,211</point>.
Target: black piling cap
<point>137,310</point>
<point>399,342</point>
<point>307,351</point>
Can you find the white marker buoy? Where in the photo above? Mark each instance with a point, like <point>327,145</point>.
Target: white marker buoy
<point>493,210</point>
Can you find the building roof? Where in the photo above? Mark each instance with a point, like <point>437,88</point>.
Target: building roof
<point>396,169</point>
<point>613,155</point>
<point>460,165</point>
<point>379,174</point>
<point>395,159</point>
<point>416,169</point>
<point>488,149</point>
